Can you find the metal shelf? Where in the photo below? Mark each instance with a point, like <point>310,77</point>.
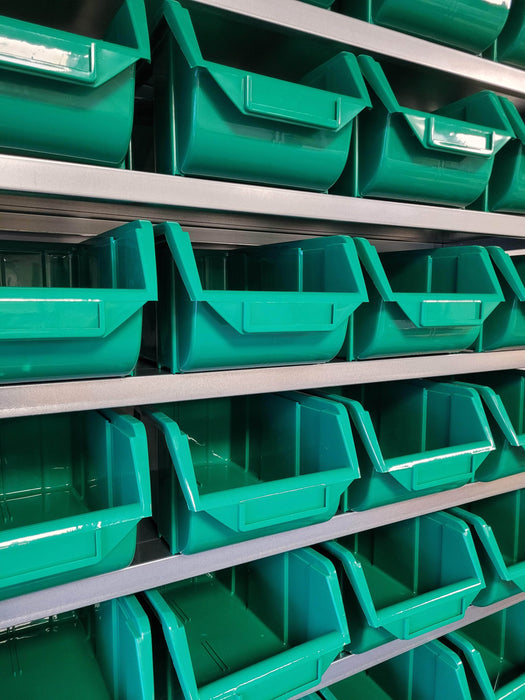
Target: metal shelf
<point>156,567</point>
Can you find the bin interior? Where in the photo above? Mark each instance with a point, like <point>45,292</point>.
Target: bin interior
<point>57,466</point>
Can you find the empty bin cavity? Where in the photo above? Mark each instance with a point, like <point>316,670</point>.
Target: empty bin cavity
<point>73,488</point>
<point>261,631</point>
<point>71,311</point>
<point>98,653</point>
<point>223,113</point>
<point>68,78</point>
<point>422,301</point>
<point>405,579</point>
<point>412,438</point>
<point>287,303</point>
<point>498,526</point>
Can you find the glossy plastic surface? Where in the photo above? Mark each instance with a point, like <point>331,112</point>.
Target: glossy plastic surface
<point>405,579</point>
<point>506,188</point>
<point>260,631</point>
<point>510,45</point>
<point>287,303</point>
<point>74,487</point>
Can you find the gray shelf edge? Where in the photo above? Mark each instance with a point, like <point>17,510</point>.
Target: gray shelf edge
<point>82,395</point>
<point>356,34</point>
<point>150,574</point>
<point>350,665</point>
<point>167,193</point>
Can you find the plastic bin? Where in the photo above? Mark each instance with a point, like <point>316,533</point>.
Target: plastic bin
<point>503,395</point>
<point>422,301</point>
<point>405,579</point>
<point>260,631</point>
<point>471,25</point>
<point>231,469</point>
<point>220,121</point>
<point>429,672</point>
<point>73,488</point>
<point>71,311</point>
<point>68,77</point>
<point>415,437</point>
<point>493,652</point>
<point>441,157</point>
<point>510,45</point>
<point>498,526</point>
<point>287,303</point>
<point>97,653</point>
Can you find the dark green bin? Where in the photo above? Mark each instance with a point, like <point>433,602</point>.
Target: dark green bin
<point>405,579</point>
<point>221,121</point>
<point>71,311</point>
<point>67,79</point>
<point>510,45</point>
<point>498,527</point>
<point>441,157</point>
<point>287,303</point>
<point>98,653</point>
<point>422,301</point>
<point>260,631</point>
<point>231,469</point>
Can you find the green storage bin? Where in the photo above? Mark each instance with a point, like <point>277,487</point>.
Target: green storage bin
<point>67,82</point>
<point>471,25</point>
<point>429,672</point>
<point>441,157</point>
<point>231,469</point>
<point>510,45</point>
<point>71,311</point>
<point>287,303</point>
<point>222,121</point>
<point>498,526</point>
<point>73,488</point>
<point>98,653</point>
<point>493,652</point>
<point>260,631</point>
<point>503,395</point>
<point>422,301</point>
<point>415,438</point>
<point>405,579</point>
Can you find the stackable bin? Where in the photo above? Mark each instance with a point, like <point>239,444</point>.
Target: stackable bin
<point>219,121</point>
<point>441,157</point>
<point>73,488</point>
<point>498,527</point>
<point>287,303</point>
<point>503,395</point>
<point>67,82</point>
<point>510,44</point>
<point>231,469</point>
<point>405,579</point>
<point>429,672</point>
<point>260,631</point>
<point>493,652</point>
<point>98,653</point>
<point>422,301</point>
<point>72,311</point>
<point>412,438</point>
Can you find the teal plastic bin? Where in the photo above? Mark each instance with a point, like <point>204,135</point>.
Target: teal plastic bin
<point>498,526</point>
<point>231,469</point>
<point>412,438</point>
<point>493,652</point>
<point>98,653</point>
<point>71,311</point>
<point>223,121</point>
<point>405,579</point>
<point>287,303</point>
<point>441,157</point>
<point>510,45</point>
<point>67,79</point>
<point>74,486</point>
<point>260,631</point>
<point>422,301</point>
<point>503,395</point>
<point>471,25</point>
<point>429,672</point>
